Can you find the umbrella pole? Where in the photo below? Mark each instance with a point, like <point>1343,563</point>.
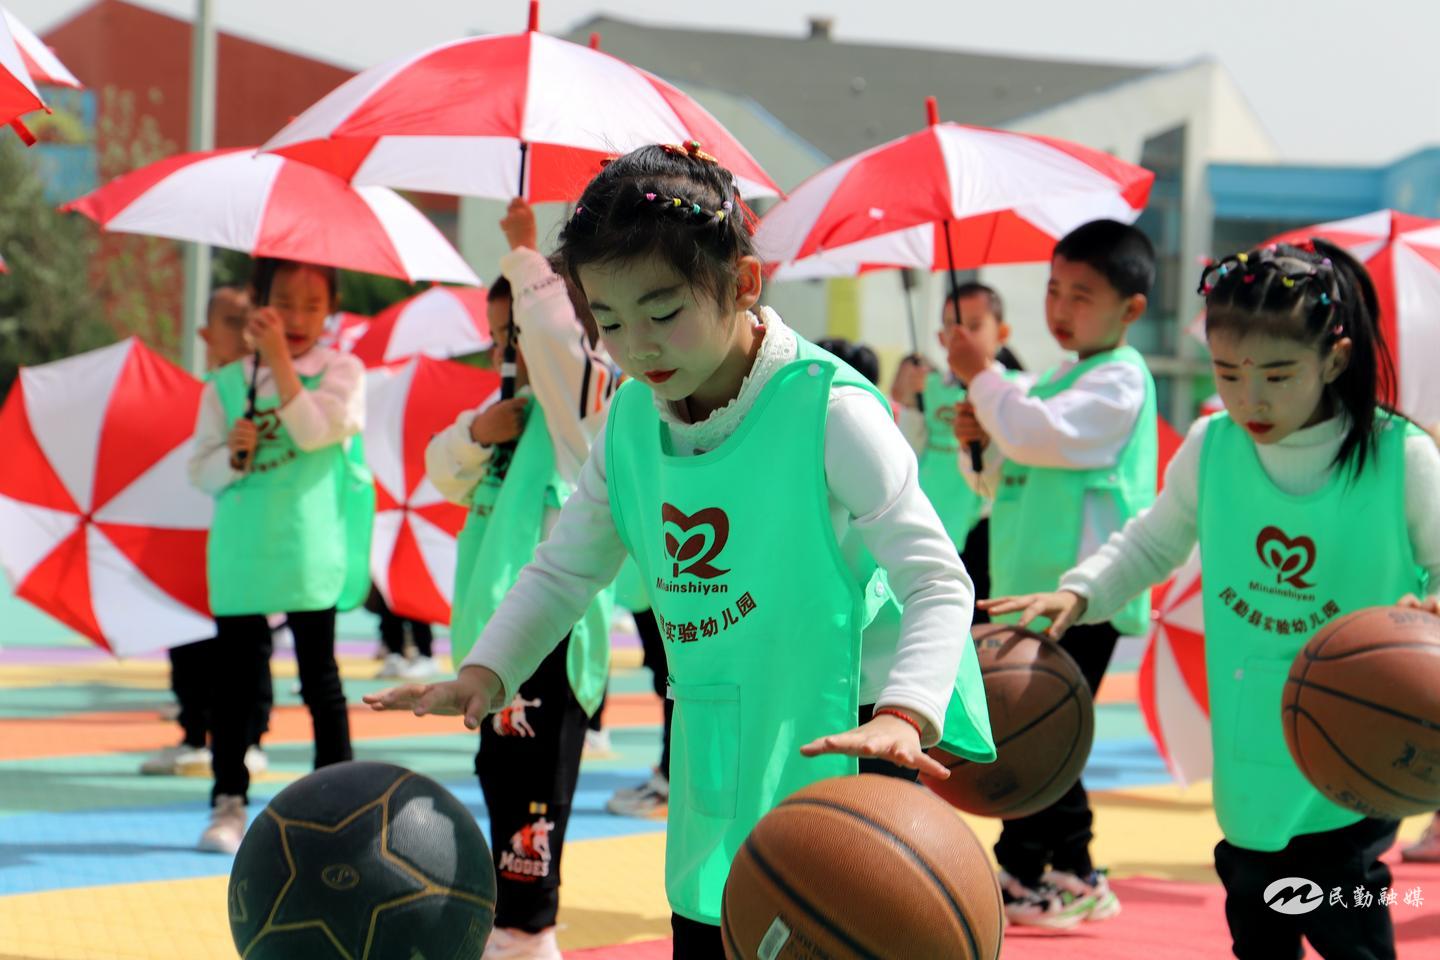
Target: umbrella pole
<point>264,276</point>
<point>977,455</point>
<point>910,311</point>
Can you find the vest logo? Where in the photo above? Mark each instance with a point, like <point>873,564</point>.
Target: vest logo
<point>1293,896</point>
<point>267,426</point>
<point>692,542</point>
<point>946,414</point>
<point>1290,559</point>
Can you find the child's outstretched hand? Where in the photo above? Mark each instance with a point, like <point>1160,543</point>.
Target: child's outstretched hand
<point>1427,604</point>
<point>519,225</point>
<point>468,695</point>
<point>884,738</point>
<point>1062,607</point>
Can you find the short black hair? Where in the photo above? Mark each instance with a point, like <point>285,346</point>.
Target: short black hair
<point>264,269</point>
<point>976,289</point>
<point>859,356</point>
<point>500,290</point>
<point>1123,255</point>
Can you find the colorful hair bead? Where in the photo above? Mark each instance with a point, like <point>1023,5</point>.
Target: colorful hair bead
<point>650,196</point>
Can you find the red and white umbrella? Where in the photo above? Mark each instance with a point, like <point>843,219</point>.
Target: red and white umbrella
<point>343,329</point>
<point>948,197</point>
<point>39,60</point>
<point>1172,680</point>
<point>270,207</point>
<point>412,555</point>
<point>467,117</point>
<point>441,322</point>
<point>1173,690</point>
<point>18,94</point>
<point>1402,254</point>
<point>99,525</point>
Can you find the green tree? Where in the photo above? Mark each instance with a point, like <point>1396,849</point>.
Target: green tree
<point>47,310</point>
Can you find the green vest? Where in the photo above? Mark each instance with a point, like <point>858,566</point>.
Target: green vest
<point>358,507</point>
<point>503,528</point>
<point>277,540</point>
<point>1276,568</point>
<point>761,614</point>
<point>959,506</point>
<point>1039,514</point>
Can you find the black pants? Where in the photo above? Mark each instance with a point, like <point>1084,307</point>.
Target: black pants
<point>191,666</point>
<point>975,554</point>
<point>392,633</point>
<point>653,647</point>
<point>702,941</point>
<point>1059,836</point>
<point>528,765</point>
<point>1346,859</point>
<point>242,654</point>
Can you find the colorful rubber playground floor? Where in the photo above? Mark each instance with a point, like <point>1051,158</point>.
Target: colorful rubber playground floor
<point>97,862</point>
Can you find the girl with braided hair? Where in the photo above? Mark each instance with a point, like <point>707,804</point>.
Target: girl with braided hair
<point>761,486</point>
<point>1307,460</point>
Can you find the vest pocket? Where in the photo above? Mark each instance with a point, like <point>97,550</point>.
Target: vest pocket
<point>707,754</point>
<point>1259,736</point>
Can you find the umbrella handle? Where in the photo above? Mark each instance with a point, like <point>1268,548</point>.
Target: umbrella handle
<point>977,458</point>
<point>243,456</point>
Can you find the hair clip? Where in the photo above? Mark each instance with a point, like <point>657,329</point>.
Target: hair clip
<point>690,149</point>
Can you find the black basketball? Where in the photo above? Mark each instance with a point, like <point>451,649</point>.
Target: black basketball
<point>363,861</point>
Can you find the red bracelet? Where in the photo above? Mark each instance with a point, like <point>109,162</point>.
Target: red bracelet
<point>902,715</point>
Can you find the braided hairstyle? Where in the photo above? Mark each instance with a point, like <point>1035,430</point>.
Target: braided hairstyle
<point>675,202</point>
<point>1316,294</point>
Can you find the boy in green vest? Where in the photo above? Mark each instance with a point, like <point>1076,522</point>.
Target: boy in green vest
<point>930,402</point>
<point>513,463</point>
<point>1069,458</point>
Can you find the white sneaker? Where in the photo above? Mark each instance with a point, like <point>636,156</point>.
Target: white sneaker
<point>1427,848</point>
<point>227,825</point>
<point>1042,906</point>
<point>256,761</point>
<point>509,944</point>
<point>597,743</point>
<point>645,800</point>
<point>1095,887</point>
<point>177,762</point>
<point>421,668</point>
<point>393,668</point>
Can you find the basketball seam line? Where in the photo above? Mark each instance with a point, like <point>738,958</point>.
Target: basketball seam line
<point>1029,726</point>
<point>1342,695</point>
<point>1316,657</point>
<point>803,903</point>
<point>909,851</point>
<point>1426,803</point>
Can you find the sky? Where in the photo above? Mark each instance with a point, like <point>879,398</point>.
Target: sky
<point>1332,81</point>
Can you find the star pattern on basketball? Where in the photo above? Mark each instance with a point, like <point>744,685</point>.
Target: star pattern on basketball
<point>322,858</point>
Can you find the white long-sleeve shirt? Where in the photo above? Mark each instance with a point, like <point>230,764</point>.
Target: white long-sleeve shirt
<point>332,412</point>
<point>1159,540</point>
<point>570,379</point>
<point>1083,428</point>
<point>874,500</point>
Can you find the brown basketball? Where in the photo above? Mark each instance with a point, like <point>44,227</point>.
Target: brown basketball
<point>1043,721</point>
<point>862,867</point>
<point>1361,711</point>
